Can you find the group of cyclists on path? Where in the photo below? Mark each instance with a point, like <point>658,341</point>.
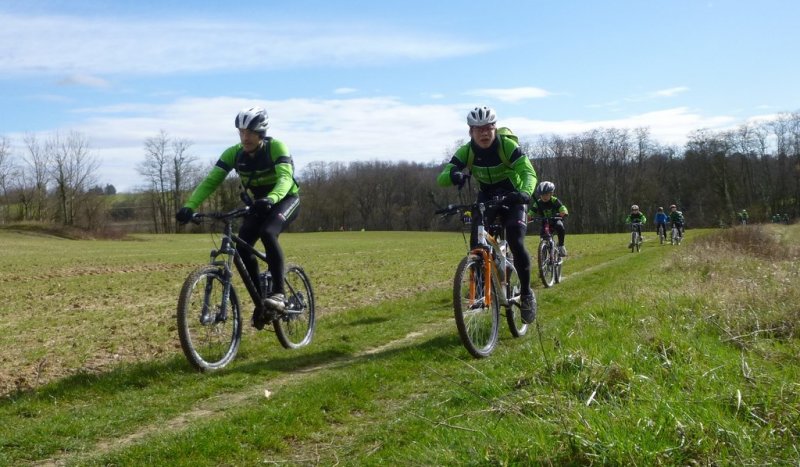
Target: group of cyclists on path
<point>492,157</point>
<point>638,219</point>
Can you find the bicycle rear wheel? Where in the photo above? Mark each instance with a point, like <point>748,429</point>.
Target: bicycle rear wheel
<point>517,327</point>
<point>209,327</point>
<point>546,263</point>
<point>476,320</point>
<point>295,326</point>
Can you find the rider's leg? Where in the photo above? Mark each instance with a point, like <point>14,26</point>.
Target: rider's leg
<point>281,215</point>
<point>516,227</point>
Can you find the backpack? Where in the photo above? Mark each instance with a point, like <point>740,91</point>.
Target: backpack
<point>502,133</point>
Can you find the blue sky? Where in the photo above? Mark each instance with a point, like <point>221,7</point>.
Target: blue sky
<point>351,80</point>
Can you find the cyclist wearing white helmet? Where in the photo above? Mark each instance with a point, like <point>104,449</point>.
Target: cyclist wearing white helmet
<point>637,218</point>
<point>547,206</point>
<point>501,169</point>
<point>266,173</point>
<point>676,217</point>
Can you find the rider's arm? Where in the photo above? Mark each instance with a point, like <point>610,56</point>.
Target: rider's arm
<point>283,171</point>
<point>523,168</point>
<point>457,162</point>
<point>562,209</point>
<point>214,178</point>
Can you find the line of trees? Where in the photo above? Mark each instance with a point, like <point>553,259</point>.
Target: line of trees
<point>598,174</point>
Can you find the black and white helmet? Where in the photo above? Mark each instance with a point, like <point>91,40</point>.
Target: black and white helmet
<point>480,116</point>
<point>546,187</point>
<point>253,119</point>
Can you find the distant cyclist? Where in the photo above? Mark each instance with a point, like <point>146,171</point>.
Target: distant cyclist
<point>265,170</point>
<point>661,220</point>
<point>743,216</point>
<point>546,206</point>
<point>676,217</point>
<point>637,218</point>
<point>501,169</point>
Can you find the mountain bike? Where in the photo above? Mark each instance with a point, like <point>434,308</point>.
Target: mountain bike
<point>636,237</point>
<point>485,280</point>
<point>209,312</point>
<point>662,234</point>
<point>550,260</point>
<point>675,236</point>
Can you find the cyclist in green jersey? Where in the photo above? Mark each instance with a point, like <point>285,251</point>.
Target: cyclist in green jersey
<point>266,172</point>
<point>636,217</point>
<point>676,217</point>
<point>548,206</point>
<point>502,170</point>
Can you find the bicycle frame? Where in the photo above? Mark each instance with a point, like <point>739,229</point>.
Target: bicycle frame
<point>493,256</point>
<point>490,250</point>
<point>229,239</point>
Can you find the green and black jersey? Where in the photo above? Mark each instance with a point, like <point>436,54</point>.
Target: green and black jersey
<point>550,208</point>
<point>267,173</point>
<point>495,172</point>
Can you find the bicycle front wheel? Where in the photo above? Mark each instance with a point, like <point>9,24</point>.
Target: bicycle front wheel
<point>477,321</point>
<point>295,326</point>
<point>517,327</point>
<point>546,264</point>
<point>209,326</point>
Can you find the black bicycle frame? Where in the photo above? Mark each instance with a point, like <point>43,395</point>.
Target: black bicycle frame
<point>226,248</point>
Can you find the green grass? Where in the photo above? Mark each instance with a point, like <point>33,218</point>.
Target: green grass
<point>675,355</point>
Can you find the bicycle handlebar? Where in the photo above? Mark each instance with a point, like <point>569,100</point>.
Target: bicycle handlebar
<point>223,216</point>
<point>452,209</point>
<point>550,218</point>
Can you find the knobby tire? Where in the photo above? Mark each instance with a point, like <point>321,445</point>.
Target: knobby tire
<point>477,322</point>
<point>209,340</point>
<point>295,327</point>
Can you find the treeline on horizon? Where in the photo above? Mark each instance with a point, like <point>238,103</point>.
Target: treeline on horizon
<point>598,174</point>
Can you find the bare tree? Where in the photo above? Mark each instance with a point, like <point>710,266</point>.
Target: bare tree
<point>73,172</point>
<point>7,172</point>
<point>33,192</point>
<point>168,168</point>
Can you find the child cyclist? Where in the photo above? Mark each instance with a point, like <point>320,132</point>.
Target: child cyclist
<point>661,221</point>
<point>676,217</point>
<point>547,206</point>
<point>637,218</point>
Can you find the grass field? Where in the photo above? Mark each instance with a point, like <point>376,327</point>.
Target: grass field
<point>675,355</point>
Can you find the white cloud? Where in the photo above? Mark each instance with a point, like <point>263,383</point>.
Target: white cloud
<point>84,80</point>
<point>96,46</point>
<point>670,92</point>
<point>510,94</point>
<point>341,130</point>
<point>670,126</point>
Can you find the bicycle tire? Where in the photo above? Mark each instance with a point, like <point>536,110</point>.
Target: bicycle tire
<point>633,242</point>
<point>477,323</point>
<point>546,266</point>
<point>517,327</point>
<point>295,327</point>
<point>208,342</point>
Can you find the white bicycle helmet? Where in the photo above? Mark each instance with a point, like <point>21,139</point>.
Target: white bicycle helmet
<point>546,187</point>
<point>480,116</point>
<point>253,119</point>
<point>635,207</point>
